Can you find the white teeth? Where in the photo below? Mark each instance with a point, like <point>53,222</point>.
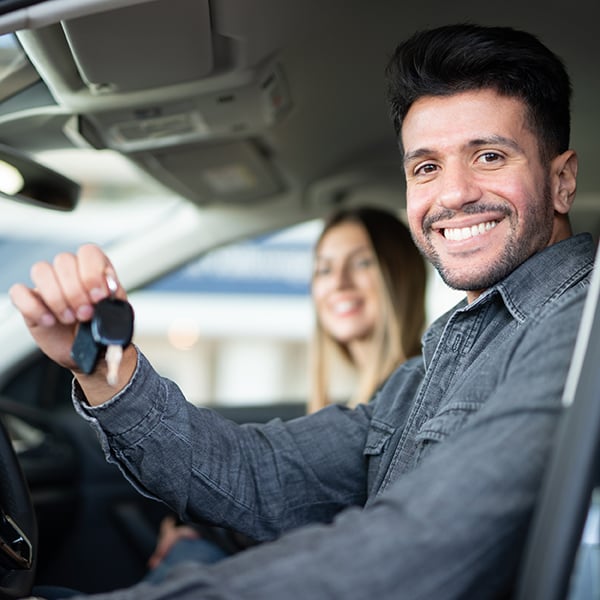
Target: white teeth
<point>464,233</point>
<point>342,307</point>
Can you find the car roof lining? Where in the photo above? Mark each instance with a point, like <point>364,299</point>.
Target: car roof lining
<point>326,54</point>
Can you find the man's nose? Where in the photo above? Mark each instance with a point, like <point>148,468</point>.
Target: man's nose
<point>457,187</point>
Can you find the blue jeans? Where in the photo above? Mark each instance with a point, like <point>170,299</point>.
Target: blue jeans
<point>186,550</point>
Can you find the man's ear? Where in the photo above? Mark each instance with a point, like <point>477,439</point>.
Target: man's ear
<point>563,175</point>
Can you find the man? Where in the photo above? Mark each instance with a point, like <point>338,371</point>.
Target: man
<point>427,492</point>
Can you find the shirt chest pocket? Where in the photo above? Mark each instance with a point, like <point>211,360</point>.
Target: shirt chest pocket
<point>378,441</point>
<point>449,420</point>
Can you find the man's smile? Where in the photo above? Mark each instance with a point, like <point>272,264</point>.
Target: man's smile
<point>463,233</point>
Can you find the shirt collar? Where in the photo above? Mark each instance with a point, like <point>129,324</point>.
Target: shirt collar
<point>540,278</point>
<point>544,276</point>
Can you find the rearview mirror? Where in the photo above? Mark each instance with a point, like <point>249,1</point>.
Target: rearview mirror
<point>24,180</point>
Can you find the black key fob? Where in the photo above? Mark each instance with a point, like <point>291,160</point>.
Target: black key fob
<point>112,324</point>
<point>85,350</point>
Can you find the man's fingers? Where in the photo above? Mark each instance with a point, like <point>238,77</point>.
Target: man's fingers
<point>30,305</point>
<point>63,294</point>
<point>98,274</point>
<point>76,296</point>
<point>73,283</point>
<point>50,291</point>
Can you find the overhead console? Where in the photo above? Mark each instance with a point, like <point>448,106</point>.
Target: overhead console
<point>238,111</point>
<point>160,74</point>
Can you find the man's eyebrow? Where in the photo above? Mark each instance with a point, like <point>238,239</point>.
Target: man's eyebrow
<point>495,140</point>
<point>492,140</point>
<point>415,154</point>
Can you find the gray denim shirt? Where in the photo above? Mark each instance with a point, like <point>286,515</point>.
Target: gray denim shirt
<point>424,493</point>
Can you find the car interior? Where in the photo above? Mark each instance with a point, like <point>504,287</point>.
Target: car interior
<point>238,118</point>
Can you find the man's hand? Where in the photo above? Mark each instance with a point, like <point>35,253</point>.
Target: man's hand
<point>64,295</point>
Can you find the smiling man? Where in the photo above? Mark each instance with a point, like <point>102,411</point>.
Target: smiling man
<point>480,198</point>
<point>427,491</point>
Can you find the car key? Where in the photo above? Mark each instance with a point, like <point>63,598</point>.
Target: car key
<point>110,329</point>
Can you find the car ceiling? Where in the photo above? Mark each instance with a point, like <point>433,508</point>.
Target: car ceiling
<point>236,101</point>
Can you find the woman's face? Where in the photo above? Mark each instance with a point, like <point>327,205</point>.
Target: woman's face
<point>346,284</point>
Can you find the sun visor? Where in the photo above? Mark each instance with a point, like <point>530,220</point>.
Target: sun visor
<point>127,49</point>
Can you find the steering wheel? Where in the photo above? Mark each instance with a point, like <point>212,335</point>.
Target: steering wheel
<point>18,527</point>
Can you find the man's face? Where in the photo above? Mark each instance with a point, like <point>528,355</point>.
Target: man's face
<point>478,198</point>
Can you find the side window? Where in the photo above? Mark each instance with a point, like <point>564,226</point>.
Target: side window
<point>233,327</point>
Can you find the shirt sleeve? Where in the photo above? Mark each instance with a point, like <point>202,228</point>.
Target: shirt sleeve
<point>259,479</point>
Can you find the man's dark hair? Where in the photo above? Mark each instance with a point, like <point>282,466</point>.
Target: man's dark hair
<point>457,58</point>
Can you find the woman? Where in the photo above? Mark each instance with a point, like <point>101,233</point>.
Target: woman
<point>368,290</point>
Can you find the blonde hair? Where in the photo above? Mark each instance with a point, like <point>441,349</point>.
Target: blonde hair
<point>397,336</point>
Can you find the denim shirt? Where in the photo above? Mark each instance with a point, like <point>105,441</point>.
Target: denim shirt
<point>426,492</point>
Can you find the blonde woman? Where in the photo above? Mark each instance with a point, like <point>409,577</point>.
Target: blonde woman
<point>368,289</point>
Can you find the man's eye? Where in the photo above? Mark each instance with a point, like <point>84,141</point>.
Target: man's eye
<point>426,169</point>
<point>489,157</point>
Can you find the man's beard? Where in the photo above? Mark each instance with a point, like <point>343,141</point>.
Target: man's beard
<point>519,247</point>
